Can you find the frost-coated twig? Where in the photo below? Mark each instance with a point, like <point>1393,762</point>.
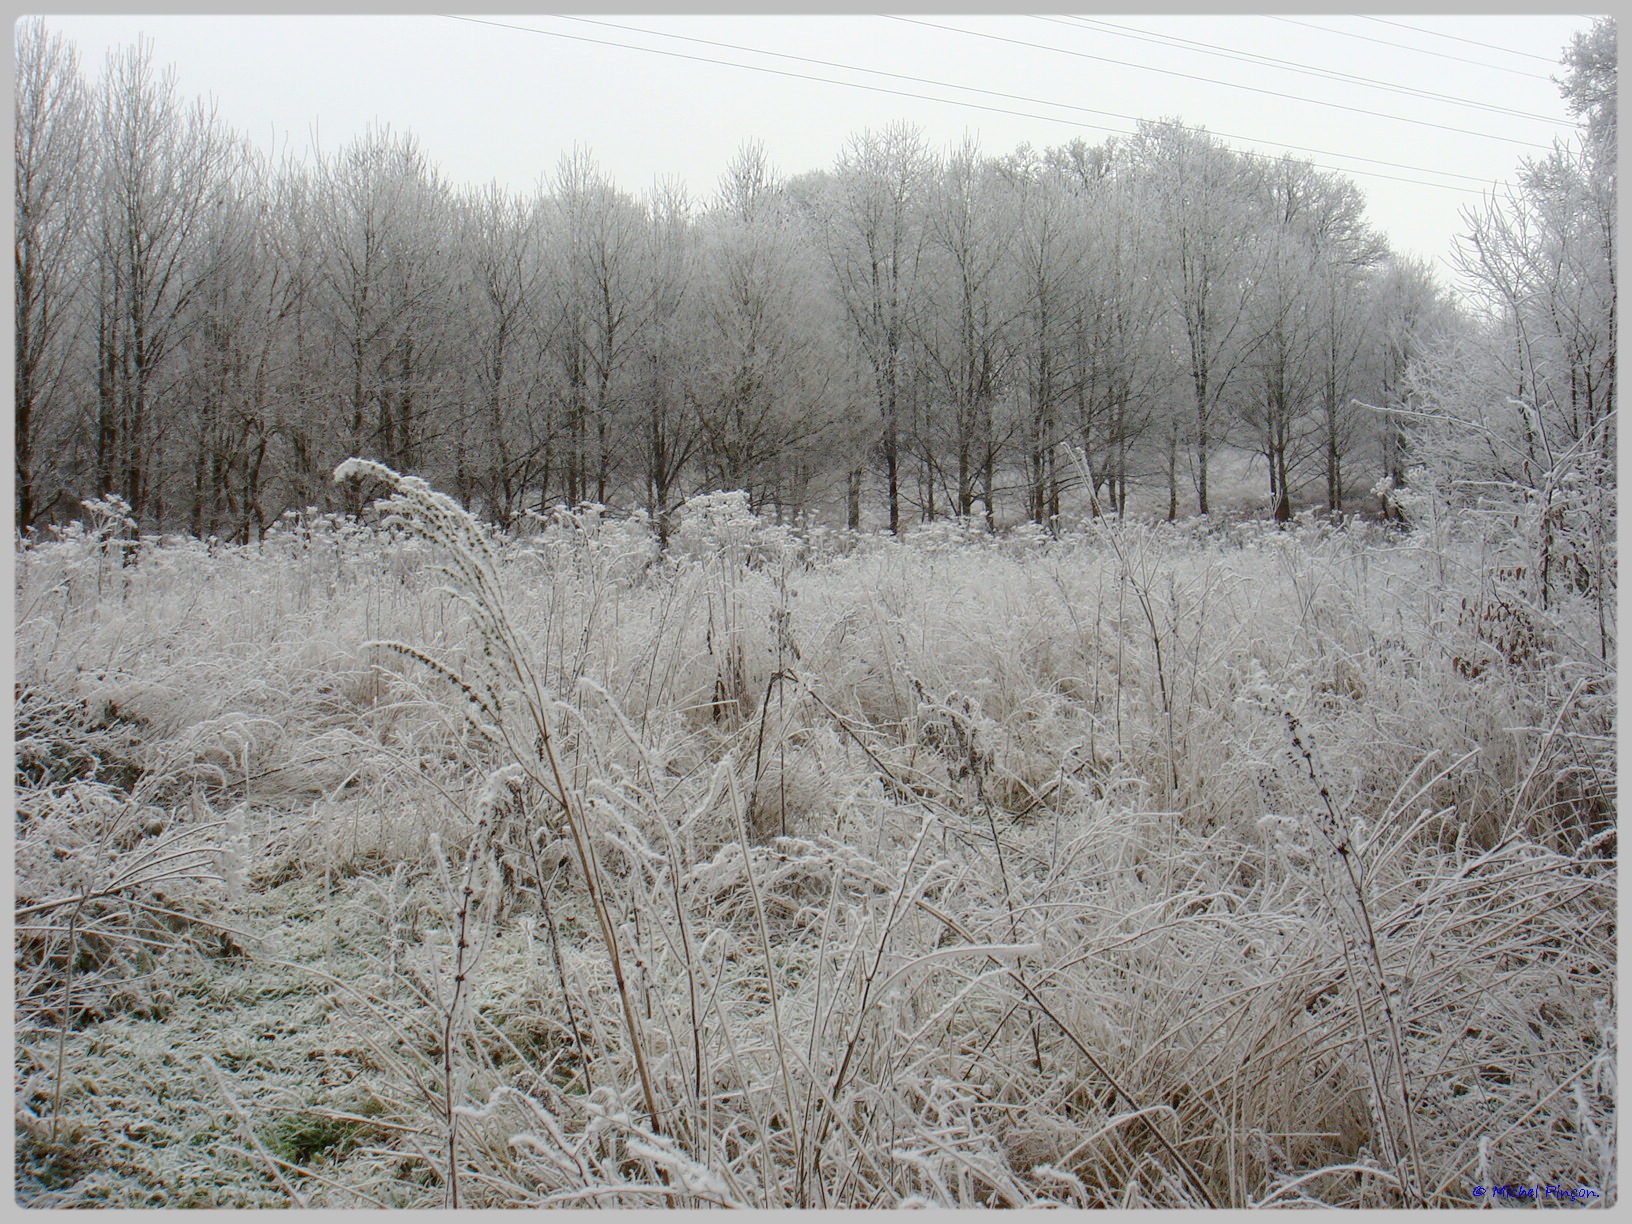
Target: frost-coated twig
<point>1141,592</point>
<point>466,952</point>
<point>545,887</point>
<point>67,1018</point>
<point>777,1031</point>
<point>1336,832</point>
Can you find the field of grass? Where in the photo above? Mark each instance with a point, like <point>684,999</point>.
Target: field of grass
<point>1147,865</point>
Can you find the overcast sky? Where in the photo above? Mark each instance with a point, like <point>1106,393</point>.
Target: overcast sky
<point>502,97</point>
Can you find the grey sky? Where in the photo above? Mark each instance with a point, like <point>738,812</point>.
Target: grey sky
<point>504,101</point>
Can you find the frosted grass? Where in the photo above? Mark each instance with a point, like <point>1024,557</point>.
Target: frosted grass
<point>1143,866</point>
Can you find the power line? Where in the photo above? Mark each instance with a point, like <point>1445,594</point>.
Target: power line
<point>1457,38</point>
<point>1383,42</point>
<point>798,76</point>
<point>1529,144</point>
<point>805,59</point>
<point>900,93</point>
<point>1286,66</point>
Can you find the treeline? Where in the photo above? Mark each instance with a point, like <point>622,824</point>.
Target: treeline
<point>908,334</point>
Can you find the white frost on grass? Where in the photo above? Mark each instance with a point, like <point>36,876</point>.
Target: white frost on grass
<point>999,775</point>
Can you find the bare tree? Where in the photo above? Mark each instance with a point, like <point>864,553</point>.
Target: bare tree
<point>872,229</point>
<point>161,165</point>
<point>302,425</point>
<point>1121,369</point>
<point>1412,316</point>
<point>762,367</point>
<point>1347,360</point>
<point>598,238</point>
<point>1521,417</point>
<point>669,434</point>
<point>1201,197</point>
<point>962,334</point>
<point>52,161</point>
<point>381,285</point>
<point>500,270</point>
<point>228,352</point>
<point>1048,251</point>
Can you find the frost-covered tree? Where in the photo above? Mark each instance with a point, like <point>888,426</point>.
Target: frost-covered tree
<point>1312,327</point>
<point>1413,314</point>
<point>1277,400</point>
<point>229,355</point>
<point>1152,300</point>
<point>1048,253</point>
<point>303,410</point>
<point>763,373</point>
<point>52,106</point>
<point>600,302</point>
<point>1521,417</point>
<point>1347,362</point>
<point>1201,195</point>
<point>668,429</point>
<point>1121,367</point>
<point>963,334</point>
<point>871,221</point>
<point>382,287</point>
<point>1588,86</point>
<point>499,273</point>
<point>161,165</point>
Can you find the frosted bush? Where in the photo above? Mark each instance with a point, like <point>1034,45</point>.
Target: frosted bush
<point>723,525</point>
<point>949,534</point>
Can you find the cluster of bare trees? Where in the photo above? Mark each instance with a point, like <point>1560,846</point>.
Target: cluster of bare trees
<point>1517,418</point>
<point>912,333</point>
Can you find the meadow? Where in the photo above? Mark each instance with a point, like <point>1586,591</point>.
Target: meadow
<point>393,863</point>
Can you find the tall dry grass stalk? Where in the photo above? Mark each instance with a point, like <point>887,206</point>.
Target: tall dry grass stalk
<point>508,677</point>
